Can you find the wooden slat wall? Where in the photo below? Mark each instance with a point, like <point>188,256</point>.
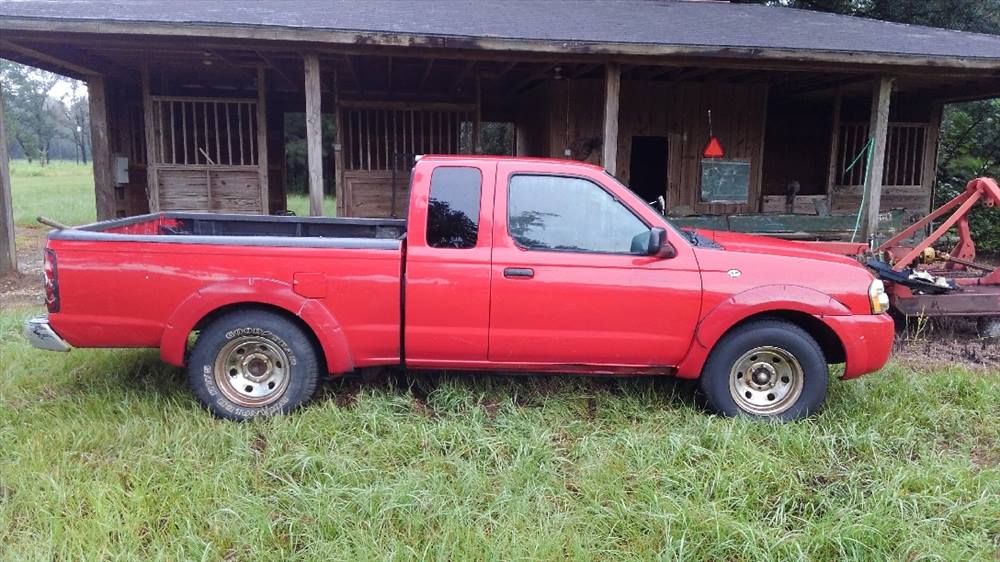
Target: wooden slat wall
<point>904,154</point>
<point>680,113</point>
<point>576,119</point>
<point>903,172</point>
<point>380,142</point>
<point>207,155</point>
<point>369,194</point>
<point>676,111</point>
<point>191,189</point>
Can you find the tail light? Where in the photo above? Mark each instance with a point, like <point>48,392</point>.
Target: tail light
<point>51,272</point>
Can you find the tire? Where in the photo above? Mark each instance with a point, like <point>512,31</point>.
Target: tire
<point>253,363</point>
<point>769,369</point>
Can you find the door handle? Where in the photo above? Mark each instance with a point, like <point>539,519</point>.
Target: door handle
<point>518,272</point>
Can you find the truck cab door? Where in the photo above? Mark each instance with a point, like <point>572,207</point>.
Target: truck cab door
<point>447,264</point>
<point>570,291</point>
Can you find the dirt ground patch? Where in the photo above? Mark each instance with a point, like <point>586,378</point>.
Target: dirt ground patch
<point>25,286</point>
<point>946,341</point>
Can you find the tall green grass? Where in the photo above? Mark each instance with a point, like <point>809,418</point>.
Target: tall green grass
<point>104,454</point>
<point>299,203</point>
<point>62,191</point>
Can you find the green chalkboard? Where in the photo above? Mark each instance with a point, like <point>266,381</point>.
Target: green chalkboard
<point>725,181</point>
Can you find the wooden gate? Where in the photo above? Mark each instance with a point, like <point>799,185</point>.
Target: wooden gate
<point>207,155</point>
<point>380,144</point>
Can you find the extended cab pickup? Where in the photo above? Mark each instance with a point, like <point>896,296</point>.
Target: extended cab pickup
<point>502,264</point>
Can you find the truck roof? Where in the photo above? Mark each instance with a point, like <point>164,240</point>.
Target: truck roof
<point>525,159</point>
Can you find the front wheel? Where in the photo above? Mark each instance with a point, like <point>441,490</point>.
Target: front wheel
<point>766,369</point>
<point>252,363</point>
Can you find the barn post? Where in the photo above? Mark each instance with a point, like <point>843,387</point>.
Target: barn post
<point>928,170</point>
<point>149,130</point>
<point>314,134</point>
<point>338,149</point>
<point>612,89</point>
<point>8,255</point>
<point>831,172</point>
<point>262,158</point>
<point>104,183</point>
<point>878,128</point>
<point>477,119</point>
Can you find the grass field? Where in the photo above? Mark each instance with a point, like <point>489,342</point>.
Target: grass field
<point>64,191</point>
<point>106,455</point>
<point>300,204</point>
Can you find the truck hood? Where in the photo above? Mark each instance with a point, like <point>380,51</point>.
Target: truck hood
<point>752,244</point>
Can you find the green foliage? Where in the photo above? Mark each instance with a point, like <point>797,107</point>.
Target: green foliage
<point>107,456</point>
<point>33,114</point>
<point>970,148</point>
<point>296,152</point>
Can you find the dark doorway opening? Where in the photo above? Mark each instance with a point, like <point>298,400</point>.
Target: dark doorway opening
<point>647,169</point>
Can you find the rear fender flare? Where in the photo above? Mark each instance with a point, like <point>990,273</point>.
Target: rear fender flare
<point>739,307</point>
<point>252,291</point>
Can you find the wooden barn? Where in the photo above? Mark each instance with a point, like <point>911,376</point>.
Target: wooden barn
<point>190,100</point>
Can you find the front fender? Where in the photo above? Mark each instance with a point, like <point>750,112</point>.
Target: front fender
<point>739,307</point>
<point>255,291</point>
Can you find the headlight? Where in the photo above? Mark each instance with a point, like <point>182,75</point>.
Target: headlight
<point>878,297</point>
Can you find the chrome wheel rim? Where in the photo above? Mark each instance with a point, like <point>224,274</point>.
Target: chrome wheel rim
<point>766,381</point>
<point>252,371</point>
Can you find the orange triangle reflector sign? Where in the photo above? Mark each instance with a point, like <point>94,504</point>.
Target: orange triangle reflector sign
<point>713,149</point>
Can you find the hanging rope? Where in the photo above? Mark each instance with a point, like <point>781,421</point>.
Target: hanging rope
<point>868,149</point>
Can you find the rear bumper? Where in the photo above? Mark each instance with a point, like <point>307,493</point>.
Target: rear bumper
<point>867,341</point>
<point>41,335</point>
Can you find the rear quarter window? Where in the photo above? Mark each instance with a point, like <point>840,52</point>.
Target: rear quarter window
<point>453,207</point>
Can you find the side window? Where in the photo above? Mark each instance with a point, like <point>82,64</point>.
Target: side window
<point>563,213</point>
<point>453,210</point>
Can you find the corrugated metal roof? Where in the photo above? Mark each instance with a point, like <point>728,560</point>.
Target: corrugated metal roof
<point>608,22</point>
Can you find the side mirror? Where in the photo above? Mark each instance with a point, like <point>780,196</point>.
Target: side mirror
<point>658,245</point>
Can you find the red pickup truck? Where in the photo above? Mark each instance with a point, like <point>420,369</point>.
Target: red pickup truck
<point>508,264</point>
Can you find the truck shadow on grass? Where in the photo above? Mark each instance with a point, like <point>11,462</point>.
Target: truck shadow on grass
<point>142,374</point>
<point>493,392</point>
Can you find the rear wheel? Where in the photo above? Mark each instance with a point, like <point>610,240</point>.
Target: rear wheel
<point>252,363</point>
<point>766,369</point>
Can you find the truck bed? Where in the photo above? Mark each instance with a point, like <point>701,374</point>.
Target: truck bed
<point>132,282</point>
<point>244,230</point>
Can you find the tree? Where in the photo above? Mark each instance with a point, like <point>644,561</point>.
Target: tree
<point>76,118</point>
<point>30,107</point>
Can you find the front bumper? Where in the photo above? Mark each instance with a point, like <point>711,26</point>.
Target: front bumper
<point>41,335</point>
<point>867,341</point>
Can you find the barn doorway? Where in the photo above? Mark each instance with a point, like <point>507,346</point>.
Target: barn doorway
<point>647,169</point>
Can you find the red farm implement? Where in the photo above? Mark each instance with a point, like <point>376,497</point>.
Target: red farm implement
<point>923,281</point>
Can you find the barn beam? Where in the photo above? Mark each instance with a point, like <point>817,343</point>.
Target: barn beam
<point>8,254</point>
<point>466,69</point>
<point>878,127</point>
<point>612,89</point>
<point>76,69</point>
<point>281,71</point>
<point>104,184</point>
<point>427,73</point>
<point>314,133</point>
